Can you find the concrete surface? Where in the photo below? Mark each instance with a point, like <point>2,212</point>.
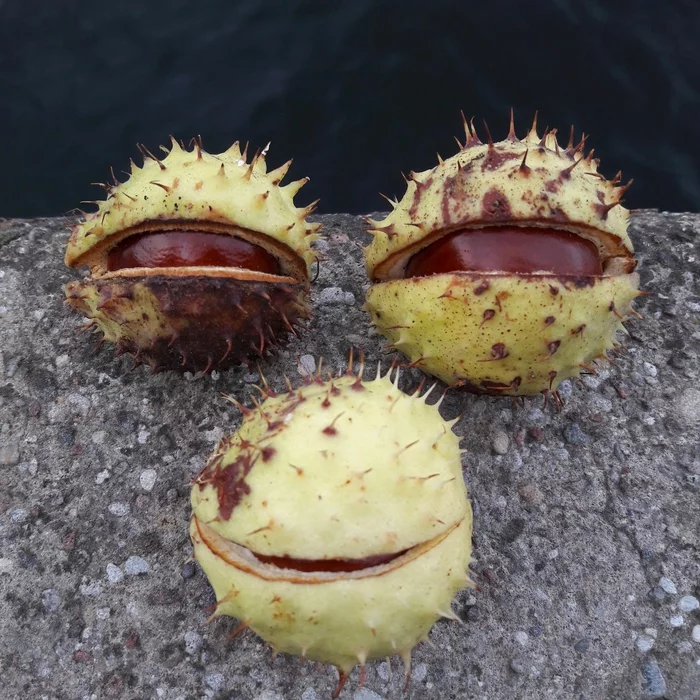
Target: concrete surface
<point>587,520</point>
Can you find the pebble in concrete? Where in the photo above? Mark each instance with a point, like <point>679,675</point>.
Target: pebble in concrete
<point>188,569</point>
<point>500,443</point>
<point>215,681</point>
<point>419,673</point>
<point>114,573</point>
<point>530,493</point>
<point>574,435</point>
<point>688,603</point>
<point>119,509</point>
<point>18,515</point>
<point>668,586</point>
<point>521,638</point>
<point>676,621</point>
<point>335,295</point>
<point>307,365</point>
<point>50,599</point>
<point>645,643</point>
<point>193,642</point>
<point>653,683</point>
<point>147,479</point>
<point>136,565</point>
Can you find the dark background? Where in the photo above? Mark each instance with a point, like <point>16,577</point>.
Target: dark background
<point>356,92</point>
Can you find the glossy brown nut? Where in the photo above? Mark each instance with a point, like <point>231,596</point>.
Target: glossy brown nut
<point>190,249</point>
<point>520,250</point>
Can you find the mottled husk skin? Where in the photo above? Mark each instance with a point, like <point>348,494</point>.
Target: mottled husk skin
<point>499,334</point>
<point>191,323</point>
<point>187,318</point>
<point>344,469</point>
<point>503,333</point>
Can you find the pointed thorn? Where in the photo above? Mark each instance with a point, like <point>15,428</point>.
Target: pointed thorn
<point>310,209</point>
<point>566,173</point>
<point>525,169</point>
<point>581,143</point>
<point>391,201</point>
<point>350,362</point>
<point>470,131</point>
<point>570,145</point>
<point>620,191</point>
<point>342,678</point>
<point>419,388</point>
<point>161,185</point>
<point>237,631</point>
<point>276,176</point>
<point>511,129</point>
<point>488,134</point>
<point>268,392</point>
<point>294,187</point>
<point>603,209</point>
<point>146,153</point>
<point>533,128</point>
<point>245,411</point>
<point>467,130</point>
<point>406,656</point>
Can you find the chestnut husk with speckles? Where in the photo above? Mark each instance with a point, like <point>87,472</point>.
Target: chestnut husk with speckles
<point>196,317</point>
<point>335,522</point>
<point>488,330</point>
<point>193,323</point>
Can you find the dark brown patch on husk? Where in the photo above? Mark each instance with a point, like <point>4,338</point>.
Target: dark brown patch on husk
<point>228,480</point>
<point>495,206</point>
<point>206,323</point>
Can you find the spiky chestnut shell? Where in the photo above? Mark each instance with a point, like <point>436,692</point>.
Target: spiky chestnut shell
<point>501,332</point>
<point>199,317</point>
<point>343,470</point>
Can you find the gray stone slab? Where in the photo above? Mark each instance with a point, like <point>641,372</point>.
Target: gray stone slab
<point>582,517</point>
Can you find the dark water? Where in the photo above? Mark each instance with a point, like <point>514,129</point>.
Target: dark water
<point>356,92</point>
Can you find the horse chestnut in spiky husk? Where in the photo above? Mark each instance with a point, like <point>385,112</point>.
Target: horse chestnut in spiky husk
<point>506,268</point>
<point>335,523</point>
<point>197,261</point>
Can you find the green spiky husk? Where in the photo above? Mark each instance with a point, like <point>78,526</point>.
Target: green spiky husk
<point>495,332</point>
<point>345,620</point>
<point>502,334</point>
<point>337,470</point>
<point>191,323</point>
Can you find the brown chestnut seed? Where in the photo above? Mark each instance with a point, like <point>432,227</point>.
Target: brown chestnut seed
<point>521,250</point>
<point>329,565</point>
<point>190,249</point>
